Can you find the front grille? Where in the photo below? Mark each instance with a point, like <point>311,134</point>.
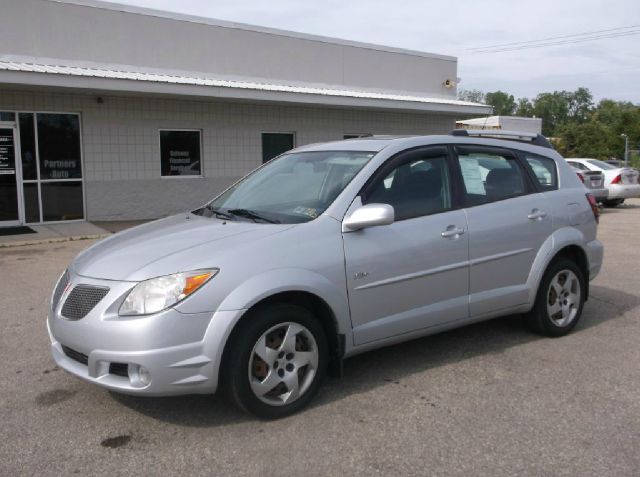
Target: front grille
<point>119,369</point>
<point>81,301</point>
<point>75,355</point>
<point>62,284</point>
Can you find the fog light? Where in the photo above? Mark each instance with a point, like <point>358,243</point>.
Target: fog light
<point>139,375</point>
<point>144,375</point>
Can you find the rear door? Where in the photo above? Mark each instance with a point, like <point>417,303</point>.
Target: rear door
<point>508,220</point>
<point>412,274</point>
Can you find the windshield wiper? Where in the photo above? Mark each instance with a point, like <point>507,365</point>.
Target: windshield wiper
<point>250,214</point>
<point>219,213</point>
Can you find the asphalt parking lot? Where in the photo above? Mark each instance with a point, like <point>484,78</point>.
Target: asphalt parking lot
<point>489,399</point>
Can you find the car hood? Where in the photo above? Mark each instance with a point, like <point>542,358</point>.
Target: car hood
<point>165,246</point>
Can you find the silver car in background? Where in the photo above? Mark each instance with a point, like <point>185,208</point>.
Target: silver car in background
<point>621,182</point>
<point>325,252</point>
<point>594,183</point>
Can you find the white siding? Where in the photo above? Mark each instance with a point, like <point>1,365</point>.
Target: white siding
<point>122,152</point>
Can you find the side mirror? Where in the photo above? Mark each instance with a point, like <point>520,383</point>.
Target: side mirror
<point>369,215</point>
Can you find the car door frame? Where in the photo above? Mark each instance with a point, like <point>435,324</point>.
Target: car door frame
<point>480,307</point>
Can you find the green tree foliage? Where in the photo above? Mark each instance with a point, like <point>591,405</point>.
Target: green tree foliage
<point>553,108</point>
<point>578,127</point>
<point>524,108</point>
<point>503,104</point>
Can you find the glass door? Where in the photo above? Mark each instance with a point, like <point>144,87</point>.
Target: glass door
<point>9,199</point>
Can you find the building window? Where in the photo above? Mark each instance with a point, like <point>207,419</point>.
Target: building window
<point>180,153</point>
<point>274,144</point>
<point>356,135</point>
<point>59,146</point>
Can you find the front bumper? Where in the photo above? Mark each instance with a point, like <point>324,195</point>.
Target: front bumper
<point>182,352</point>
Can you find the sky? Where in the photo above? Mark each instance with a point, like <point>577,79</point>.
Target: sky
<point>609,67</point>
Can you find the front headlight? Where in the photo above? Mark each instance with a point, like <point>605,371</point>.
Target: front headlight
<point>157,294</point>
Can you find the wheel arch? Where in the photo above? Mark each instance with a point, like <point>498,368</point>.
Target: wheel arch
<point>317,306</point>
<point>567,243</point>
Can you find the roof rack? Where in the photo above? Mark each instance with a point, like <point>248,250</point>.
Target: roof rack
<point>521,136</point>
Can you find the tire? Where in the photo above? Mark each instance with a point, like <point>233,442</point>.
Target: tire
<point>551,297</point>
<point>612,202</point>
<point>276,361</point>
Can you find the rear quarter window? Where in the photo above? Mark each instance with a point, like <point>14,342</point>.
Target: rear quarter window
<point>544,171</point>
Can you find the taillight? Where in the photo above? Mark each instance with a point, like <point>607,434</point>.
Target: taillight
<point>581,177</point>
<point>594,207</point>
<point>617,179</point>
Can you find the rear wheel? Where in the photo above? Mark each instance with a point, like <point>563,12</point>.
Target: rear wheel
<point>612,202</point>
<point>560,299</point>
<point>276,361</point>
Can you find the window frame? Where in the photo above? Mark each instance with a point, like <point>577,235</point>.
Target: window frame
<point>539,187</point>
<point>38,181</point>
<point>510,154</point>
<point>186,176</point>
<point>289,133</point>
<point>406,156</point>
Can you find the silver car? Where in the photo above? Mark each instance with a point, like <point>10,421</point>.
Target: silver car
<point>621,182</point>
<point>325,252</point>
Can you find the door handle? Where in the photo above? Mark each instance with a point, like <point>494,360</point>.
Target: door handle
<point>537,214</point>
<point>452,232</point>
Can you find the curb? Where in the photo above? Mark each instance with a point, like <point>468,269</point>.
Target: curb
<point>53,240</point>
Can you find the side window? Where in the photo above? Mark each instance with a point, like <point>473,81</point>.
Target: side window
<point>489,177</point>
<point>544,170</point>
<point>578,165</point>
<point>416,187</point>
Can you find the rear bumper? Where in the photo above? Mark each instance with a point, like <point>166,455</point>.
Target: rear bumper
<point>599,194</point>
<point>622,191</point>
<point>595,254</point>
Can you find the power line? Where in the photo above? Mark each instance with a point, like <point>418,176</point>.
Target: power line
<point>557,43</point>
<point>586,36</point>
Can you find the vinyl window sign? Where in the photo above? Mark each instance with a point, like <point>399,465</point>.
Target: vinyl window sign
<point>7,157</point>
<point>180,153</point>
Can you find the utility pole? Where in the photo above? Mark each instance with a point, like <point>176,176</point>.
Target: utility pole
<point>626,149</point>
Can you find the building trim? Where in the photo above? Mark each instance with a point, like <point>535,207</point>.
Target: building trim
<point>19,73</point>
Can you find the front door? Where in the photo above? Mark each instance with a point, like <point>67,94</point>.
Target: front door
<point>9,199</point>
<point>412,274</point>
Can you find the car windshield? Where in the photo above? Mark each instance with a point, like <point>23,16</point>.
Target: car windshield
<point>293,188</point>
<point>601,164</point>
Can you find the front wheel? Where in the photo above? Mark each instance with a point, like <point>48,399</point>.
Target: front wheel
<point>560,299</point>
<point>276,361</point>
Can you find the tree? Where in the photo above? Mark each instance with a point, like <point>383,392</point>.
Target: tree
<point>580,104</point>
<point>553,108</point>
<point>503,104</point>
<point>524,108</point>
<point>471,95</point>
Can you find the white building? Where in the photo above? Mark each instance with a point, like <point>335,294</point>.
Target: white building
<point>111,112</point>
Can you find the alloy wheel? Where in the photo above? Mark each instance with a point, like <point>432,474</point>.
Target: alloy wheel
<point>563,298</point>
<point>283,363</point>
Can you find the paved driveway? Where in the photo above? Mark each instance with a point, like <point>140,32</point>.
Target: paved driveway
<point>489,399</point>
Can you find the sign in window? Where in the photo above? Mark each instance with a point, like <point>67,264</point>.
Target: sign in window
<point>180,153</point>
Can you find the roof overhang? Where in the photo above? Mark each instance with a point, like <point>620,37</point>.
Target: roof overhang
<point>96,79</point>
